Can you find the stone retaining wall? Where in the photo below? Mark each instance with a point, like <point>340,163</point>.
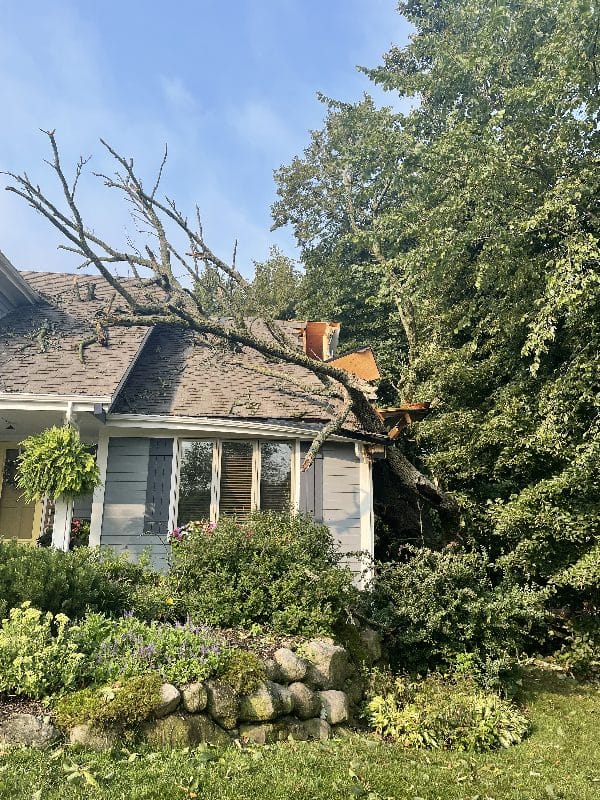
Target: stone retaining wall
<point>306,694</point>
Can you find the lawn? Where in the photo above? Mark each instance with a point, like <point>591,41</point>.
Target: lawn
<point>561,759</point>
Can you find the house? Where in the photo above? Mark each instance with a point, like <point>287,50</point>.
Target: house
<point>183,428</point>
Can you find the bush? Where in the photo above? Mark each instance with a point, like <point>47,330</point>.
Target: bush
<point>124,704</point>
<point>437,605</point>
<point>277,570</point>
<point>580,652</point>
<point>38,655</point>
<point>75,582</point>
<point>449,713</point>
<point>129,647</point>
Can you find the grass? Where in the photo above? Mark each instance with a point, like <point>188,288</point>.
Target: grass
<point>561,759</point>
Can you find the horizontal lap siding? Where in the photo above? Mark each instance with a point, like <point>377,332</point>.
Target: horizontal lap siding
<point>125,498</point>
<point>341,498</point>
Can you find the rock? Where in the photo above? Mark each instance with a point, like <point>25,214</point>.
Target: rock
<point>223,703</point>
<point>169,700</point>
<point>306,702</point>
<point>284,729</point>
<point>371,642</point>
<point>178,730</point>
<point>268,701</point>
<point>20,729</point>
<point>194,697</point>
<point>318,729</point>
<point>334,706</point>
<point>328,665</point>
<point>86,736</point>
<point>271,669</point>
<point>259,733</point>
<point>290,667</point>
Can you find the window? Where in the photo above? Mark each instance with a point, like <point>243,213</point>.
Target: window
<point>195,481</point>
<point>233,477</point>
<point>275,475</point>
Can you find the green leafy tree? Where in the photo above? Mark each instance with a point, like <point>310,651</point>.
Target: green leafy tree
<point>490,231</point>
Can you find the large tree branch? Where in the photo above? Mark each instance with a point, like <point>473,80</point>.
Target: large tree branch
<point>180,307</point>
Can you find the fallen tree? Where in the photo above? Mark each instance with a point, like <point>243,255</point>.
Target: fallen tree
<point>158,296</point>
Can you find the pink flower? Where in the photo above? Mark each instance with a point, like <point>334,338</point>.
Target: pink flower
<point>177,534</point>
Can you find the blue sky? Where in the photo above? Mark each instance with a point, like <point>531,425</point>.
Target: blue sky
<point>230,86</point>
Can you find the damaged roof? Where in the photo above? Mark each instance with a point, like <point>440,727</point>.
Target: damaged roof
<point>40,344</point>
<point>153,371</point>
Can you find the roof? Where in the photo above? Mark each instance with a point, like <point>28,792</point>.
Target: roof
<point>183,374</point>
<point>161,371</point>
<point>39,344</point>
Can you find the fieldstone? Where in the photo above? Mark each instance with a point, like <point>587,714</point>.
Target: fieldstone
<point>178,730</point>
<point>269,701</point>
<point>194,697</point>
<point>290,667</point>
<point>334,705</point>
<point>284,729</point>
<point>27,729</point>
<point>307,703</point>
<point>223,703</point>
<point>259,733</point>
<point>170,697</point>
<point>318,729</point>
<point>271,669</point>
<point>371,641</point>
<point>87,736</point>
<point>328,665</point>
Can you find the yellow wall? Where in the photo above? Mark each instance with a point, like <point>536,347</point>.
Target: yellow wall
<point>18,519</point>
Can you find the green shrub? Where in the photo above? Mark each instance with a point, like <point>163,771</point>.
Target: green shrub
<point>38,654</point>
<point>128,647</point>
<point>75,582</point>
<point>580,652</point>
<point>449,713</point>
<point>242,670</point>
<point>436,605</point>
<point>55,463</point>
<point>124,704</point>
<point>277,570</point>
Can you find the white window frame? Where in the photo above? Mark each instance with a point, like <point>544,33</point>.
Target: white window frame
<point>215,488</point>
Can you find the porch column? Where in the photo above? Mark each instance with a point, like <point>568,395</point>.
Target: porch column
<point>367,522</point>
<point>98,498</point>
<point>61,530</point>
<point>63,507</point>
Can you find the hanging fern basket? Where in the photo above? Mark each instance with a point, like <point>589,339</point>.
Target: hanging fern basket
<point>55,463</point>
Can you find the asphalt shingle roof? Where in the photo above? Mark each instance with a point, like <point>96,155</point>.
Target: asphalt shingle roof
<point>39,344</point>
<point>176,372</point>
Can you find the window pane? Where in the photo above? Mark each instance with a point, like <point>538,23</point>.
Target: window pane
<point>195,479</point>
<point>275,475</point>
<point>236,478</point>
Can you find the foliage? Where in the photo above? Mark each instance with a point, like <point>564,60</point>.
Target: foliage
<point>558,760</point>
<point>434,606</point>
<point>274,291</point>
<point>129,647</point>
<point>38,655</point>
<point>580,652</point>
<point>441,712</point>
<point>57,464</point>
<point>277,570</point>
<point>482,202</point>
<point>75,582</point>
<point>123,704</point>
<point>241,669</point>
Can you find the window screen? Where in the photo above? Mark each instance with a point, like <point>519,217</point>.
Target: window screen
<point>195,481</point>
<point>275,475</point>
<point>236,478</point>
